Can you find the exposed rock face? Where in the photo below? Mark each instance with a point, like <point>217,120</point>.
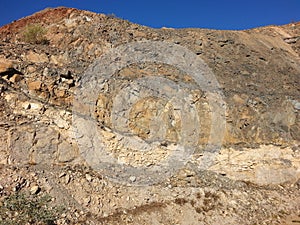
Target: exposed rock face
<point>258,72</point>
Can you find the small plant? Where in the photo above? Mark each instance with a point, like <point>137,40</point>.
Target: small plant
<point>35,34</point>
<point>20,209</point>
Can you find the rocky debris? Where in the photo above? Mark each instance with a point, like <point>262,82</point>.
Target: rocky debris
<point>94,199</point>
<point>255,176</point>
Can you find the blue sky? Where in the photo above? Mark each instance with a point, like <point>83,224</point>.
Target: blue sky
<point>216,14</point>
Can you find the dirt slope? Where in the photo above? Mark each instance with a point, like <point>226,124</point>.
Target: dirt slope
<point>249,113</point>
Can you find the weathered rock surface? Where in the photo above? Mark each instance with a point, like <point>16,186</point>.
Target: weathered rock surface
<point>254,179</point>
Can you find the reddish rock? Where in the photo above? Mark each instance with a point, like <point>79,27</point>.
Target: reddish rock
<point>5,65</point>
<point>37,58</point>
<point>35,85</point>
<point>15,78</point>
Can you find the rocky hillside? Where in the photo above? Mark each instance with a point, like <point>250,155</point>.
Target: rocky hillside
<point>245,103</point>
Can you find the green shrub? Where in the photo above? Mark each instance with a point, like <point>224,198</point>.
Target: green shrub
<point>20,209</point>
<point>35,34</point>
